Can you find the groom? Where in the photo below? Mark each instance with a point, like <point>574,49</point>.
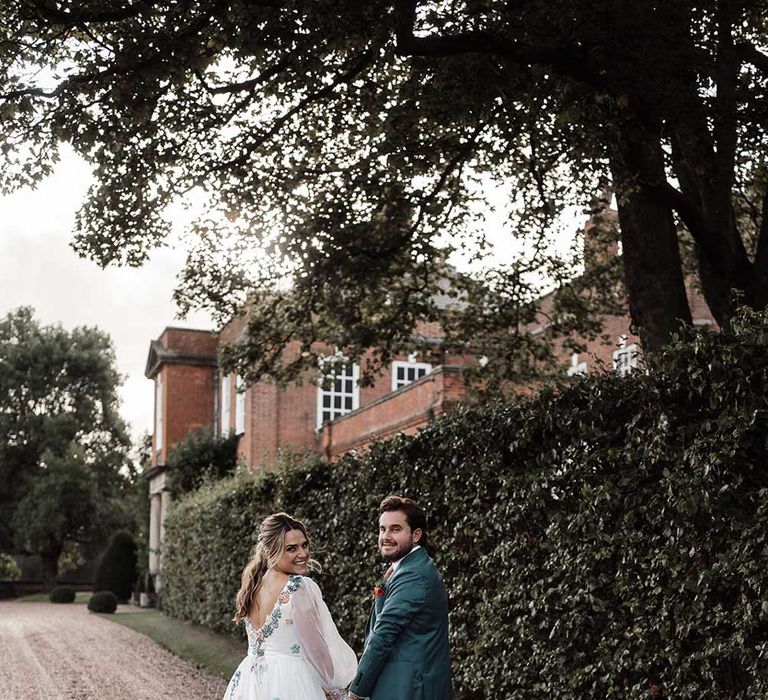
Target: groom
<point>406,639</point>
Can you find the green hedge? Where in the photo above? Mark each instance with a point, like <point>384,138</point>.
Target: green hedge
<point>604,539</point>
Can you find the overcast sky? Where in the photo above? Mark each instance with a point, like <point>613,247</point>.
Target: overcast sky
<point>38,268</point>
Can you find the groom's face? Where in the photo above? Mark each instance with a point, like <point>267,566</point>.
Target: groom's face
<point>396,538</point>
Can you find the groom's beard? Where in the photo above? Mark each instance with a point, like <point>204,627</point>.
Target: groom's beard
<point>398,553</point>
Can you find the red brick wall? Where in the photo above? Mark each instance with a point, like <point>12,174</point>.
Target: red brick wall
<point>286,417</point>
<point>404,411</point>
<point>278,418</point>
<point>188,385</point>
<point>187,403</point>
<point>184,341</point>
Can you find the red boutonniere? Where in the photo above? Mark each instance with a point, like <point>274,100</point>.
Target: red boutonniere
<point>378,592</point>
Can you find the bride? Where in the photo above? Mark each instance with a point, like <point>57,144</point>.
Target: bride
<point>294,649</point>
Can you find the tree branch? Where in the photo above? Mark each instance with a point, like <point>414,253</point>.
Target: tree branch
<point>458,160</point>
<point>694,220</point>
<point>159,58</point>
<point>569,60</point>
<point>247,85</point>
<point>358,65</point>
<point>750,54</point>
<point>725,121</point>
<point>75,17</point>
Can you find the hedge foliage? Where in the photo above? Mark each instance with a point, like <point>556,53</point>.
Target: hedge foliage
<point>607,539</point>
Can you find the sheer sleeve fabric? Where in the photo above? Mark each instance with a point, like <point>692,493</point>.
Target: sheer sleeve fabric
<point>326,651</point>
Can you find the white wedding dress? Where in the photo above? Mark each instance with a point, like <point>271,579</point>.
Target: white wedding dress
<point>297,654</point>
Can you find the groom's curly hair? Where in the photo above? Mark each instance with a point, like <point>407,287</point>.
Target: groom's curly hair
<point>414,516</point>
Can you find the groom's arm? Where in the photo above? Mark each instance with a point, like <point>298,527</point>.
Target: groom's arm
<point>405,597</point>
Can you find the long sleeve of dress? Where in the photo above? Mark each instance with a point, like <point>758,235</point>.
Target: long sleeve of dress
<point>326,651</point>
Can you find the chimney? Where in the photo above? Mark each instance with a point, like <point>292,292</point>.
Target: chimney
<point>601,232</point>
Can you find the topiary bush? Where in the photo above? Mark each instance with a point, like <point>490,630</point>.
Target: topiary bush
<point>62,594</point>
<point>607,538</point>
<point>102,602</point>
<point>116,570</point>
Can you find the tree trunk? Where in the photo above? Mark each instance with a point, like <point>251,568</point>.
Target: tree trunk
<point>50,566</point>
<point>704,168</point>
<point>658,303</point>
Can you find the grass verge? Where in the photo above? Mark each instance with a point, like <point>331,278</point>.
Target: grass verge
<point>80,597</point>
<point>212,652</point>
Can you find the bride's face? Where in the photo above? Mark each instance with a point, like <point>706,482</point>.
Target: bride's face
<point>295,557</point>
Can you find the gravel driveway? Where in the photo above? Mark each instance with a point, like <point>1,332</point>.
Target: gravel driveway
<point>52,651</point>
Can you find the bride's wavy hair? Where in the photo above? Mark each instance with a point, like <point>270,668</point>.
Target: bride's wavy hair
<point>265,554</point>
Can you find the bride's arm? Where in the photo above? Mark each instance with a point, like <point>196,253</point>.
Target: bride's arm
<point>326,651</point>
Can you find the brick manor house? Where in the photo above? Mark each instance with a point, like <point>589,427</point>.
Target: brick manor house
<point>191,393</point>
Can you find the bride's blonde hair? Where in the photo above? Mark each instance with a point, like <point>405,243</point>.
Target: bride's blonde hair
<point>265,554</point>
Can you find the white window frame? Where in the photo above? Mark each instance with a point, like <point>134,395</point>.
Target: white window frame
<point>159,418</point>
<point>226,400</point>
<point>239,406</point>
<point>625,358</point>
<point>333,394</point>
<point>405,366</point>
<point>577,368</point>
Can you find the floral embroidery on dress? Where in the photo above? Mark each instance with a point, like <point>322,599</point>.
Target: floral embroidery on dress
<point>235,682</point>
<point>295,648</point>
<point>272,622</point>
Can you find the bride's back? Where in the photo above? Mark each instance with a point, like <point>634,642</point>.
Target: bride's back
<point>269,591</point>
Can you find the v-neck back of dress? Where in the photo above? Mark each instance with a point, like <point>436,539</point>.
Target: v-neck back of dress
<point>271,609</point>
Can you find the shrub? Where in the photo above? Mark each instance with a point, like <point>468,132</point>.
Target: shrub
<point>200,457</point>
<point>602,539</point>
<point>102,602</point>
<point>116,570</point>
<point>9,569</point>
<point>62,594</point>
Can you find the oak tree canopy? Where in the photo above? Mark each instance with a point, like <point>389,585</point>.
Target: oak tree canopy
<point>340,145</point>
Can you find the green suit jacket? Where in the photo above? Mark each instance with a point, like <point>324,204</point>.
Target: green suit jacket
<point>406,643</point>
